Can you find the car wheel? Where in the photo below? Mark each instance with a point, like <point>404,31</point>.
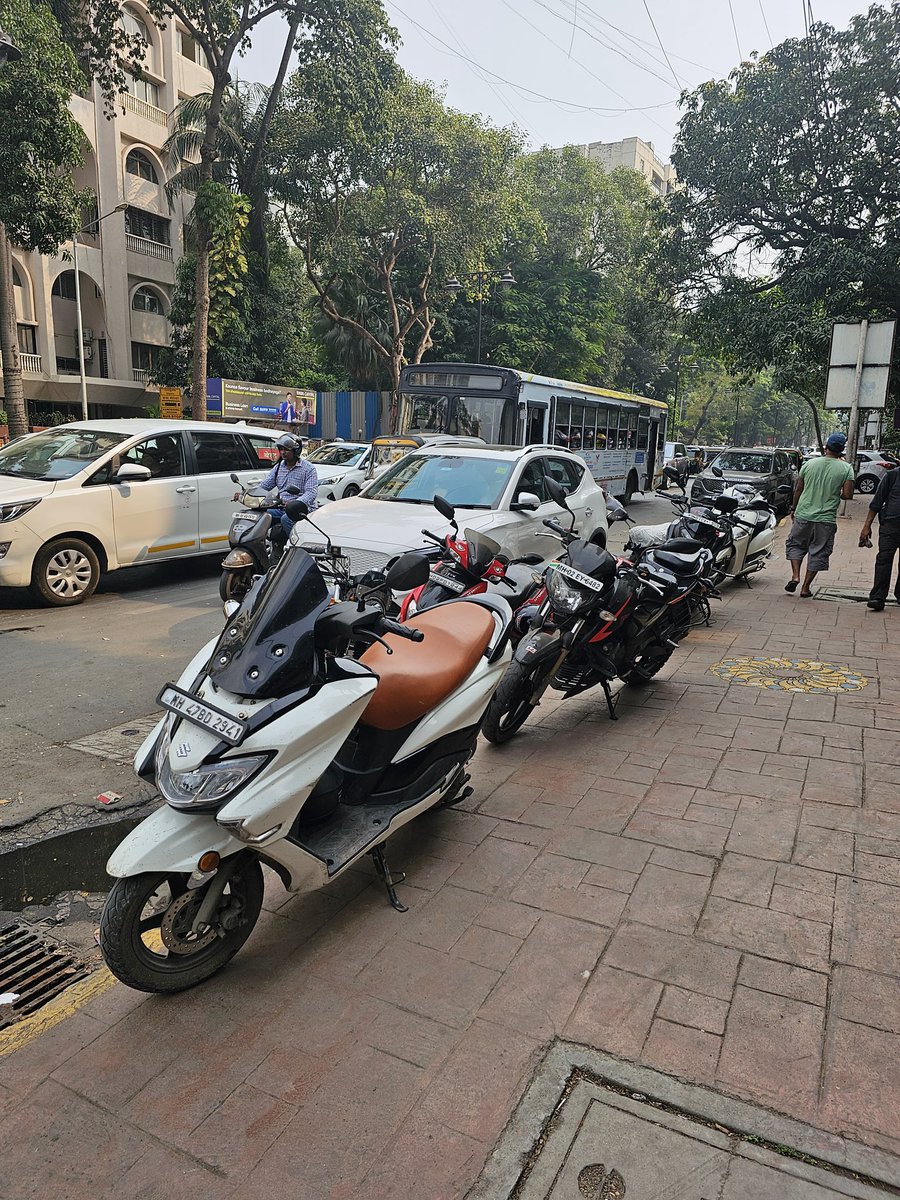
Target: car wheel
<point>866,484</point>
<point>65,572</point>
<point>350,490</point>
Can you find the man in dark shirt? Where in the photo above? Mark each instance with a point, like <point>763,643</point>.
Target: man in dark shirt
<point>886,503</point>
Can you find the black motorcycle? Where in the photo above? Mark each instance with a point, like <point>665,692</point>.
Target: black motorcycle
<point>600,619</point>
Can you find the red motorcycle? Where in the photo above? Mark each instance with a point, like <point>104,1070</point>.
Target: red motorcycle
<point>469,565</point>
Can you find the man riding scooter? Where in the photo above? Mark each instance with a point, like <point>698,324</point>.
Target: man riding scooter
<point>291,471</point>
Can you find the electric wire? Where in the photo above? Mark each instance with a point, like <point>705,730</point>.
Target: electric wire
<point>557,46</point>
<point>678,82</point>
<point>766,23</point>
<point>526,92</point>
<point>476,71</point>
<point>639,42</point>
<point>737,40</point>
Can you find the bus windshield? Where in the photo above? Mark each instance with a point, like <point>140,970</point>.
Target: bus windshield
<point>461,416</point>
<point>466,481</point>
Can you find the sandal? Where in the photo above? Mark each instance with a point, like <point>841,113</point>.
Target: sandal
<point>806,595</point>
<point>792,585</point>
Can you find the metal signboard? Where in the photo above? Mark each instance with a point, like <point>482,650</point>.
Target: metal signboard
<point>170,404</point>
<point>845,372</point>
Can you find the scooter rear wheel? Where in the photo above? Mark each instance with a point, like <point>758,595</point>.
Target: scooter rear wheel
<point>145,932</point>
<point>510,705</point>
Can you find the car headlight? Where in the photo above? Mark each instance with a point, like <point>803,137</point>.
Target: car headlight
<point>206,786</point>
<point>565,596</point>
<point>18,508</point>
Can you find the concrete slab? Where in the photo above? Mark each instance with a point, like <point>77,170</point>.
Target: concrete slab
<point>597,1127</point>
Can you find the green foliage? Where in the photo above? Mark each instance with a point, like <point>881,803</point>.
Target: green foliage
<point>790,214</point>
<point>385,194</point>
<point>41,144</point>
<point>717,408</point>
<point>226,216</point>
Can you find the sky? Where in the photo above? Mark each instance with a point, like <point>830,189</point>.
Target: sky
<point>576,71</point>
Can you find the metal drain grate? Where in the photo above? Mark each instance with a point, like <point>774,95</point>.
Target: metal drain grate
<point>32,970</point>
<point>856,595</point>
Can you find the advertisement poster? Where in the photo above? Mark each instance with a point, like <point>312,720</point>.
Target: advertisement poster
<point>237,400</point>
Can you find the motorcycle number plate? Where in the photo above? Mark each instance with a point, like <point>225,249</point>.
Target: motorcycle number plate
<point>578,576</point>
<point>184,705</point>
<point>452,585</point>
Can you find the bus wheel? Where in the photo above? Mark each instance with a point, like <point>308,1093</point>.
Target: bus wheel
<point>631,487</point>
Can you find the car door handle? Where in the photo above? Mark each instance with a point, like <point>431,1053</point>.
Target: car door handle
<point>188,487</point>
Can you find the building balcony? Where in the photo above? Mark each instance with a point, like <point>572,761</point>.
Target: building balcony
<point>149,112</point>
<point>144,246</point>
<point>140,376</point>
<point>30,364</point>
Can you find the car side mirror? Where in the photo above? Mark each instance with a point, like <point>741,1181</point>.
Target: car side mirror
<point>133,473</point>
<point>526,502</point>
<point>408,571</point>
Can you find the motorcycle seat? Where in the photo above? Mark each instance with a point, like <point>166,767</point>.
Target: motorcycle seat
<point>682,563</point>
<point>419,675</point>
<point>682,545</point>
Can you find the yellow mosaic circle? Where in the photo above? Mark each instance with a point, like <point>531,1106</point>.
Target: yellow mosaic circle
<point>789,675</point>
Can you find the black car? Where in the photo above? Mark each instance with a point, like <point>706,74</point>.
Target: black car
<point>765,469</point>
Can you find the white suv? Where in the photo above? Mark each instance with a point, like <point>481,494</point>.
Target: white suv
<point>341,468</point>
<point>498,490</point>
<point>82,499</point>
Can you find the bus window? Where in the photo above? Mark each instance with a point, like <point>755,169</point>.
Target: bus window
<point>590,417</point>
<point>484,417</point>
<point>600,438</point>
<point>427,414</point>
<point>576,427</point>
<point>643,433</point>
<point>561,423</point>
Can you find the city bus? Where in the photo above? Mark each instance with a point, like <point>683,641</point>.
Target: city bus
<point>619,435</point>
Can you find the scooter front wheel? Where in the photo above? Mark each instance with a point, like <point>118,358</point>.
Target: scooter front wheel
<point>145,929</point>
<point>510,705</point>
<point>234,585</point>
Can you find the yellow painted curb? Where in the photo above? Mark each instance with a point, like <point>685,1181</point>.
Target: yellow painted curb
<point>64,1005</point>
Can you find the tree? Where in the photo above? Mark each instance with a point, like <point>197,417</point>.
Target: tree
<point>789,215</point>
<point>41,144</point>
<point>387,199</point>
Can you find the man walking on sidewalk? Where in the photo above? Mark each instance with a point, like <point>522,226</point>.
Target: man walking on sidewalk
<point>823,483</point>
<point>886,503</point>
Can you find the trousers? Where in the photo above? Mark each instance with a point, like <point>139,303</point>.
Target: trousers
<point>888,545</point>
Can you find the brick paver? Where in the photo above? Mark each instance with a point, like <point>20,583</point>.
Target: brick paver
<point>710,886</point>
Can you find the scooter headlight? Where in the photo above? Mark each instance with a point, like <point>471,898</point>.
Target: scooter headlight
<point>207,786</point>
<point>566,596</point>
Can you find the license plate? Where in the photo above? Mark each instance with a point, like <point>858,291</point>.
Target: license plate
<point>452,585</point>
<point>192,709</point>
<point>577,576</point>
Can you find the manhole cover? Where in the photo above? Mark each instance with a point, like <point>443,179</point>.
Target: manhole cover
<point>789,674</point>
<point>32,972</point>
<point>592,1127</point>
<point>855,595</point>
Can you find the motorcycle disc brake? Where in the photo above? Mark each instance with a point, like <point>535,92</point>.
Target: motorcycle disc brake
<point>176,924</point>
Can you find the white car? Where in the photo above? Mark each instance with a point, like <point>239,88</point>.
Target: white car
<point>82,499</point>
<point>500,491</point>
<point>341,468</point>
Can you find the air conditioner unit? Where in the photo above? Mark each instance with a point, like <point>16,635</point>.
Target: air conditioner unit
<point>87,335</point>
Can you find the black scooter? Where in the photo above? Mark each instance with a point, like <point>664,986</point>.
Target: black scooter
<point>256,542</point>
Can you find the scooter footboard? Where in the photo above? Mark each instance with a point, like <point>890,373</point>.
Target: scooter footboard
<point>170,841</point>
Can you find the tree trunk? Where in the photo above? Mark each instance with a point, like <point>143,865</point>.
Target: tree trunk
<point>14,392</point>
<point>202,233</point>
<point>396,364</point>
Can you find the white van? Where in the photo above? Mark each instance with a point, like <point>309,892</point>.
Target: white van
<point>82,499</point>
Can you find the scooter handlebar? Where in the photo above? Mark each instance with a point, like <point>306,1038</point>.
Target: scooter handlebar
<point>405,631</point>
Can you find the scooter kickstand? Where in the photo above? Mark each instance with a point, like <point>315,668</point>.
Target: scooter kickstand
<point>383,872</point>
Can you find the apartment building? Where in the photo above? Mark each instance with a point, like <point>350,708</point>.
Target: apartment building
<point>127,261</point>
<point>638,155</point>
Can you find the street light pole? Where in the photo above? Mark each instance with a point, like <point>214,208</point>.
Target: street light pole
<point>81,371</point>
<point>482,279</point>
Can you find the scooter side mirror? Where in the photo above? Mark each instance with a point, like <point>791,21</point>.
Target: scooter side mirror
<point>444,507</point>
<point>785,489</point>
<point>717,471</point>
<point>529,560</point>
<point>408,571</point>
<point>293,490</point>
<point>296,509</point>
<point>557,493</point>
<point>617,514</point>
<point>234,477</point>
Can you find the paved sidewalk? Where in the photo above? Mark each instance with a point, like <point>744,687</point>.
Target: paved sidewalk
<point>710,887</point>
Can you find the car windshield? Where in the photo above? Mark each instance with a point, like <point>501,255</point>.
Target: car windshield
<point>57,453</point>
<point>337,456</point>
<point>465,482</point>
<point>744,460</point>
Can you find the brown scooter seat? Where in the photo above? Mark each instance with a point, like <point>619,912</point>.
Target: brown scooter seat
<point>419,675</point>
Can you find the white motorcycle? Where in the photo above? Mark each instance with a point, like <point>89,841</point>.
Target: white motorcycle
<point>279,747</point>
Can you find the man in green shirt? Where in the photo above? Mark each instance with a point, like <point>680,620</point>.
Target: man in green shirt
<point>823,483</point>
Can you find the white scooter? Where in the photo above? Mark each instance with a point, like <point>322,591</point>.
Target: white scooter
<point>278,747</point>
<point>738,527</point>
